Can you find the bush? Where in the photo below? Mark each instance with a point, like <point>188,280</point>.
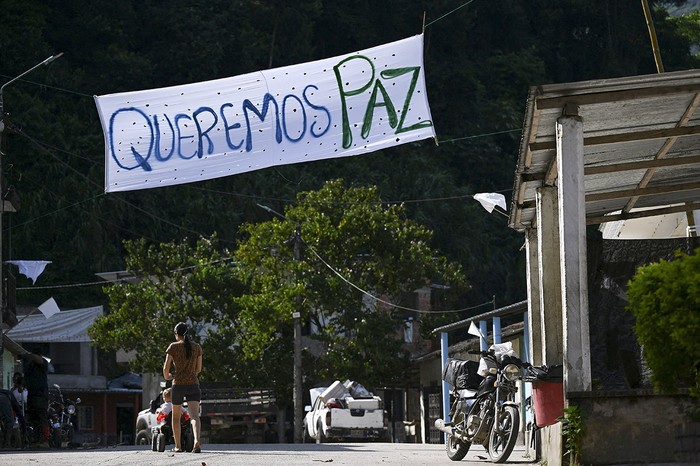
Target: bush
<point>665,299</point>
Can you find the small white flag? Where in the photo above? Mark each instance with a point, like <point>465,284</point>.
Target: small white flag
<point>474,330</point>
<point>490,200</point>
<point>49,308</point>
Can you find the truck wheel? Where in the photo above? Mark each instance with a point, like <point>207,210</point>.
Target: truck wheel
<point>320,438</point>
<point>142,437</point>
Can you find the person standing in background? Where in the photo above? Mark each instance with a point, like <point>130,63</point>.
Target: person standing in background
<point>19,392</point>
<point>36,370</point>
<point>187,358</point>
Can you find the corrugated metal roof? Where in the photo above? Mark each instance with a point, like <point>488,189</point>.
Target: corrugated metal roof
<point>641,146</point>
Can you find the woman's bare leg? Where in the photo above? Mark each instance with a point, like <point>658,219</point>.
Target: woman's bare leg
<point>193,410</point>
<point>177,411</point>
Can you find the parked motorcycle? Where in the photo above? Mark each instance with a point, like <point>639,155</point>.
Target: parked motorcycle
<point>484,410</point>
<point>61,412</point>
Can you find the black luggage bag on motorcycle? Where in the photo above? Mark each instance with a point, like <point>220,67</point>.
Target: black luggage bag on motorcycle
<point>462,374</point>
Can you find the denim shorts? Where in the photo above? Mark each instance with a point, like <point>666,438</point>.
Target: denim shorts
<point>180,393</point>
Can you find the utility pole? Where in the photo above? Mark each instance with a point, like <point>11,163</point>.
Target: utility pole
<point>2,186</point>
<point>298,412</point>
<point>295,241</point>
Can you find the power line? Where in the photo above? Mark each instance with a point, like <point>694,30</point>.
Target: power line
<point>119,280</point>
<point>378,299</point>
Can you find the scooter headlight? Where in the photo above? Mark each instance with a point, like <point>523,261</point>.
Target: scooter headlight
<point>511,372</point>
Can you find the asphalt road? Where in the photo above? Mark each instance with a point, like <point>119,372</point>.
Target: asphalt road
<point>353,454</point>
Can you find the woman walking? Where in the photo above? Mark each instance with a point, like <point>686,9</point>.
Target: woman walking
<point>187,358</point>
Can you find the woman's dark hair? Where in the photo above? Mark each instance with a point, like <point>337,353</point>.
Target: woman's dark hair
<point>181,329</point>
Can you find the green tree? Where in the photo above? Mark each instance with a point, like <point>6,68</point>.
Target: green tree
<point>179,282</point>
<point>665,299</point>
<point>353,279</point>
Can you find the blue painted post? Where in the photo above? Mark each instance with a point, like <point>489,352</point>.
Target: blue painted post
<point>445,386</point>
<point>484,338</point>
<point>496,330</point>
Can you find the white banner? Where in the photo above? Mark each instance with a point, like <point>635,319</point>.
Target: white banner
<point>336,107</point>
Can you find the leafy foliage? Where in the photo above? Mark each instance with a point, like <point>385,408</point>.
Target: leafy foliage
<point>177,282</point>
<point>665,299</point>
<point>573,430</point>
<point>348,241</point>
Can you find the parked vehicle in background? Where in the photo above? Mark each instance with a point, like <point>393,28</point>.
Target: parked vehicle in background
<point>227,414</point>
<point>61,413</point>
<point>237,415</point>
<point>484,410</point>
<point>345,411</point>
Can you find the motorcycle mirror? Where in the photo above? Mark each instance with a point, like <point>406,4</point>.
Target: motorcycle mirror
<point>56,385</point>
<point>77,400</point>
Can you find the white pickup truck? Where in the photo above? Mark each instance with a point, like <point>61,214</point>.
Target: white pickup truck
<point>345,412</point>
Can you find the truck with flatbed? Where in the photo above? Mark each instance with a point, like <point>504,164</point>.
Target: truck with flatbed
<point>345,411</point>
<point>227,414</point>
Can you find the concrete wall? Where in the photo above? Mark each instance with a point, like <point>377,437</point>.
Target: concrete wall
<point>551,445</point>
<point>638,426</point>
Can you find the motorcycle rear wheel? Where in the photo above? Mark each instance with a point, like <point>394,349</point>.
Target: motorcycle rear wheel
<point>456,449</point>
<point>504,434</point>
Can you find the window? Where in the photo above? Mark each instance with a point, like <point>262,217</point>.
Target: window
<point>85,417</point>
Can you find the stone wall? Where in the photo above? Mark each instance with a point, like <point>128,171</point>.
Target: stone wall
<point>638,426</point>
<point>616,361</point>
<point>626,422</point>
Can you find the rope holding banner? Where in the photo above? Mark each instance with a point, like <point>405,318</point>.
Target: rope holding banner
<point>447,14</point>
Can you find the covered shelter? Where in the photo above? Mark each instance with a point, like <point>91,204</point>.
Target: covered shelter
<point>594,152</point>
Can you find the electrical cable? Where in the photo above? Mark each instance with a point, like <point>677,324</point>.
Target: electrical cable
<point>378,299</point>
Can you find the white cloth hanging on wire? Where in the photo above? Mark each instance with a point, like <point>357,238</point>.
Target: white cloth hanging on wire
<point>30,269</point>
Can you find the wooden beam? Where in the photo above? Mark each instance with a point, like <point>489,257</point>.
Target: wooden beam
<point>674,188</point>
<point>688,207</point>
<point>641,165</point>
<point>617,167</point>
<point>620,95</point>
<point>625,137</point>
<point>665,149</point>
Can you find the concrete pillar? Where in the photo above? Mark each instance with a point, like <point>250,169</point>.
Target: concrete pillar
<point>549,275</point>
<point>572,234</point>
<point>534,311</point>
